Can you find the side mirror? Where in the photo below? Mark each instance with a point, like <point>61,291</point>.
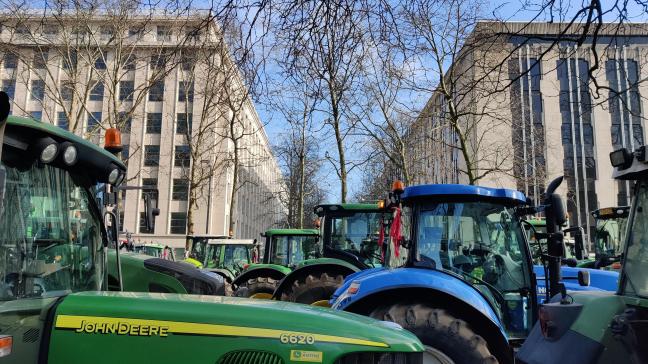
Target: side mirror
<point>579,244</point>
<point>150,212</point>
<point>584,278</point>
<point>557,209</point>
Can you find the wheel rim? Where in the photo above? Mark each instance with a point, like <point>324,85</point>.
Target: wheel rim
<point>262,296</point>
<point>321,303</point>
<point>435,356</point>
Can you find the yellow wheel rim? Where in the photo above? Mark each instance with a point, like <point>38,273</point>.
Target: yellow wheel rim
<point>321,303</point>
<point>262,296</point>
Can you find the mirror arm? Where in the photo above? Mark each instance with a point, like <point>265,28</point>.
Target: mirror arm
<point>115,238</point>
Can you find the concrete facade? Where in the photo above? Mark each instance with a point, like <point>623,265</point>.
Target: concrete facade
<point>551,120</point>
<point>259,206</point>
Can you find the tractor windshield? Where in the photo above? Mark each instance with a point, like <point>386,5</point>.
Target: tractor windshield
<point>608,238</point>
<point>232,257</point>
<point>50,236</point>
<point>635,275</point>
<point>292,249</point>
<point>357,233</point>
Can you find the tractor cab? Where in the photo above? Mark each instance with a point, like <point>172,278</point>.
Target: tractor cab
<point>289,247</point>
<point>156,250</point>
<point>350,232</point>
<point>220,254</point>
<point>196,248</point>
<point>609,234</point>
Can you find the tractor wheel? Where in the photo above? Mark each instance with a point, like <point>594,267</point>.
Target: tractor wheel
<point>257,286</point>
<point>447,339</point>
<point>312,289</point>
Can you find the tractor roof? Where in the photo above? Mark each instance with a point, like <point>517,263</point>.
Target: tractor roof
<point>273,232</point>
<point>468,192</point>
<point>351,207</point>
<point>59,133</point>
<point>230,242</point>
<point>611,212</point>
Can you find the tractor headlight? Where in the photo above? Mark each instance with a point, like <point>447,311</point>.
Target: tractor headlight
<point>621,158</point>
<point>46,149</point>
<point>113,177</point>
<point>70,153</point>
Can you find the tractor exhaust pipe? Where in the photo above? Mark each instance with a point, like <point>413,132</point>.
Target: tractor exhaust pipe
<point>555,216</point>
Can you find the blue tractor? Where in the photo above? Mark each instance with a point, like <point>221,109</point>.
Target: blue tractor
<point>458,270</point>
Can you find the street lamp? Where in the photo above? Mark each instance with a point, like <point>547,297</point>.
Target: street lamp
<point>207,166</point>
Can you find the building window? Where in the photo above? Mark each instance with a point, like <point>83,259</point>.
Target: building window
<point>126,89</point>
<point>152,155</point>
<point>94,120</point>
<point>180,189</point>
<point>150,186</point>
<point>10,60</point>
<point>527,127</point>
<point>142,225</point>
<point>40,59</point>
<point>125,122</point>
<point>38,115</point>
<point>156,92</point>
<point>163,33</point>
<point>70,61</point>
<point>158,62</point>
<point>125,155</point>
<point>100,63</point>
<point>183,123</point>
<point>578,141</point>
<point>62,120</point>
<point>22,29</point>
<point>153,123</point>
<point>106,32</point>
<point>187,62</point>
<point>182,156</point>
<point>186,91</point>
<point>67,90</point>
<point>37,90</point>
<point>129,62</point>
<point>9,86</point>
<point>135,31</point>
<point>178,223</point>
<point>97,92</point>
<point>50,29</point>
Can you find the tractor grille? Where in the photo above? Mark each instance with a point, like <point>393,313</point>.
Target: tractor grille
<point>250,357</point>
<point>381,358</point>
<point>31,335</point>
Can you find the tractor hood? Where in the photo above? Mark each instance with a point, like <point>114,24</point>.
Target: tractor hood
<point>225,322</point>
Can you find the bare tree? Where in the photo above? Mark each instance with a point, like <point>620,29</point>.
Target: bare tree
<point>324,40</point>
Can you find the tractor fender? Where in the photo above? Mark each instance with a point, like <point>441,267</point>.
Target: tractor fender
<point>352,277</point>
<point>227,275</point>
<point>316,266</point>
<point>263,270</point>
<point>374,288</point>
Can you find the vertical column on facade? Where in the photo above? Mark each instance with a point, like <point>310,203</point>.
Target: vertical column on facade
<point>618,86</point>
<point>531,126</point>
<point>626,84</point>
<point>523,124</point>
<point>573,135</point>
<point>582,144</point>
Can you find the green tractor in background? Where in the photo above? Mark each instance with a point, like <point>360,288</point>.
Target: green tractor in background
<point>283,251</point>
<point>220,255</point>
<point>603,327</point>
<point>348,244</point>
<point>611,224</point>
<point>575,252</point>
<point>54,307</point>
<point>156,250</point>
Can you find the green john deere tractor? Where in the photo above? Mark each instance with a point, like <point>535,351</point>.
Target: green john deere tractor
<point>53,276</point>
<point>348,244</point>
<point>156,250</point>
<point>284,249</point>
<point>603,327</point>
<point>221,255</point>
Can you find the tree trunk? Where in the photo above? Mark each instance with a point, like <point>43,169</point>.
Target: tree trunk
<point>340,147</point>
<point>302,177</point>
<point>233,196</point>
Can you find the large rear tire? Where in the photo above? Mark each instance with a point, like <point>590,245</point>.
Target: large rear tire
<point>447,339</point>
<point>257,285</point>
<point>313,288</point>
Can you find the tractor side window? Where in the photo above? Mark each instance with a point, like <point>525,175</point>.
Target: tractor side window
<point>636,257</point>
<point>280,250</point>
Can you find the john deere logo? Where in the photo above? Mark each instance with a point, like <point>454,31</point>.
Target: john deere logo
<point>306,356</point>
